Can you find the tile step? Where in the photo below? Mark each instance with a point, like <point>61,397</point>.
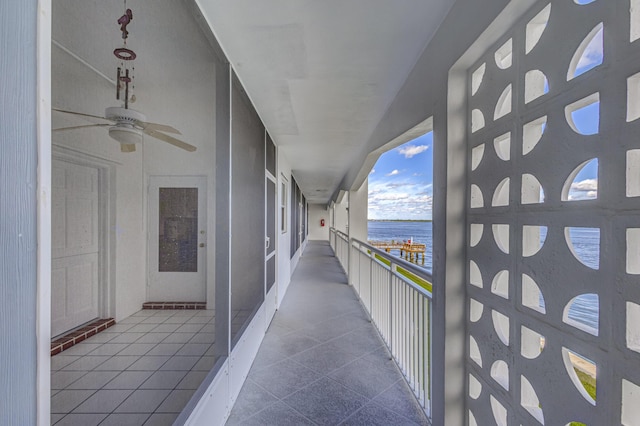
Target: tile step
<point>174,305</point>
<point>76,336</point>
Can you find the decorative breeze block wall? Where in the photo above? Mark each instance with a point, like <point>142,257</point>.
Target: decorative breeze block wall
<point>554,219</point>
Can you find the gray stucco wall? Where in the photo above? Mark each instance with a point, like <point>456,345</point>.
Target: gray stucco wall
<point>18,232</point>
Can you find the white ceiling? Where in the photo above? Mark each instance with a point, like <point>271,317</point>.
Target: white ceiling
<point>321,73</point>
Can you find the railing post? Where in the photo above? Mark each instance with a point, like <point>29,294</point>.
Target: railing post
<point>348,258</point>
<point>370,257</point>
<point>423,353</point>
<point>430,352</point>
<point>359,267</point>
<point>370,292</point>
<point>391,304</point>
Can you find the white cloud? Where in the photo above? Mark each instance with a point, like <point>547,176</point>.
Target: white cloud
<point>393,173</point>
<point>400,210</point>
<point>372,171</point>
<point>411,150</point>
<point>585,185</point>
<point>402,197</point>
<point>396,185</point>
<point>593,53</point>
<point>400,201</point>
<point>584,190</point>
<point>388,196</point>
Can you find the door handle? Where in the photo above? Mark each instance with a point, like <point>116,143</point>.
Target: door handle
<point>268,242</point>
<point>202,244</point>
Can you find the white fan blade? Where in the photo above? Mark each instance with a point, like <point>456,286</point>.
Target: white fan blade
<point>125,147</point>
<point>159,127</point>
<point>81,114</point>
<point>80,127</point>
<point>169,139</point>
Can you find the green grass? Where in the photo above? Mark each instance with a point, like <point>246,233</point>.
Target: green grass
<point>408,275</point>
<point>589,384</point>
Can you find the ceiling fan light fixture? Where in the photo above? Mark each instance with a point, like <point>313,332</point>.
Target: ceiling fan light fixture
<point>126,135</point>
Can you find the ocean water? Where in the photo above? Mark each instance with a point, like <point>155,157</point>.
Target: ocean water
<point>585,241</point>
<point>421,232</point>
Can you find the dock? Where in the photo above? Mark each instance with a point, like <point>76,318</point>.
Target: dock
<point>413,252</point>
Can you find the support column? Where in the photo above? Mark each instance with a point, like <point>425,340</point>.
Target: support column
<point>341,213</point>
<point>358,212</point>
<point>19,396</point>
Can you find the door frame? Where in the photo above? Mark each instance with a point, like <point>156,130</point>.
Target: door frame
<point>106,221</point>
<point>207,224</point>
<point>300,225</point>
<point>276,236</point>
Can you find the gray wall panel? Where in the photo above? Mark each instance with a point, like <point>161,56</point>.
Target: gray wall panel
<point>223,197</point>
<point>248,206</point>
<point>270,156</point>
<point>304,219</point>
<point>271,273</point>
<point>271,216</point>
<point>293,211</point>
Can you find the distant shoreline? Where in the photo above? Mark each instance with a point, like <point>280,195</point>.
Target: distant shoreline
<point>400,220</point>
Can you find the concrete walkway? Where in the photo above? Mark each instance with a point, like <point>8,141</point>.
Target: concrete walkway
<point>322,362</point>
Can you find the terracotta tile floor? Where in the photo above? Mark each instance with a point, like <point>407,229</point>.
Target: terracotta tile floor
<point>141,371</point>
<point>70,339</point>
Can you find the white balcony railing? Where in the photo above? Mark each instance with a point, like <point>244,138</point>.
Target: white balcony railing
<point>397,296</point>
<point>340,245</point>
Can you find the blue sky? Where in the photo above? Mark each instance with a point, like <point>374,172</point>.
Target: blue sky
<point>587,121</point>
<point>401,182</point>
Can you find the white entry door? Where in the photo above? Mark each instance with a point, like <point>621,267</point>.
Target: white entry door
<point>75,245</point>
<point>177,239</point>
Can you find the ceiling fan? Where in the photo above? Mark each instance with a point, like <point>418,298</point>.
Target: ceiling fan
<point>127,125</point>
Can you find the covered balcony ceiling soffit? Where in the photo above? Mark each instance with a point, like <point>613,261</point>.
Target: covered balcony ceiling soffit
<point>322,73</point>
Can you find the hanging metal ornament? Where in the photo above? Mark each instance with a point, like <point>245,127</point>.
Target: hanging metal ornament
<point>126,57</point>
